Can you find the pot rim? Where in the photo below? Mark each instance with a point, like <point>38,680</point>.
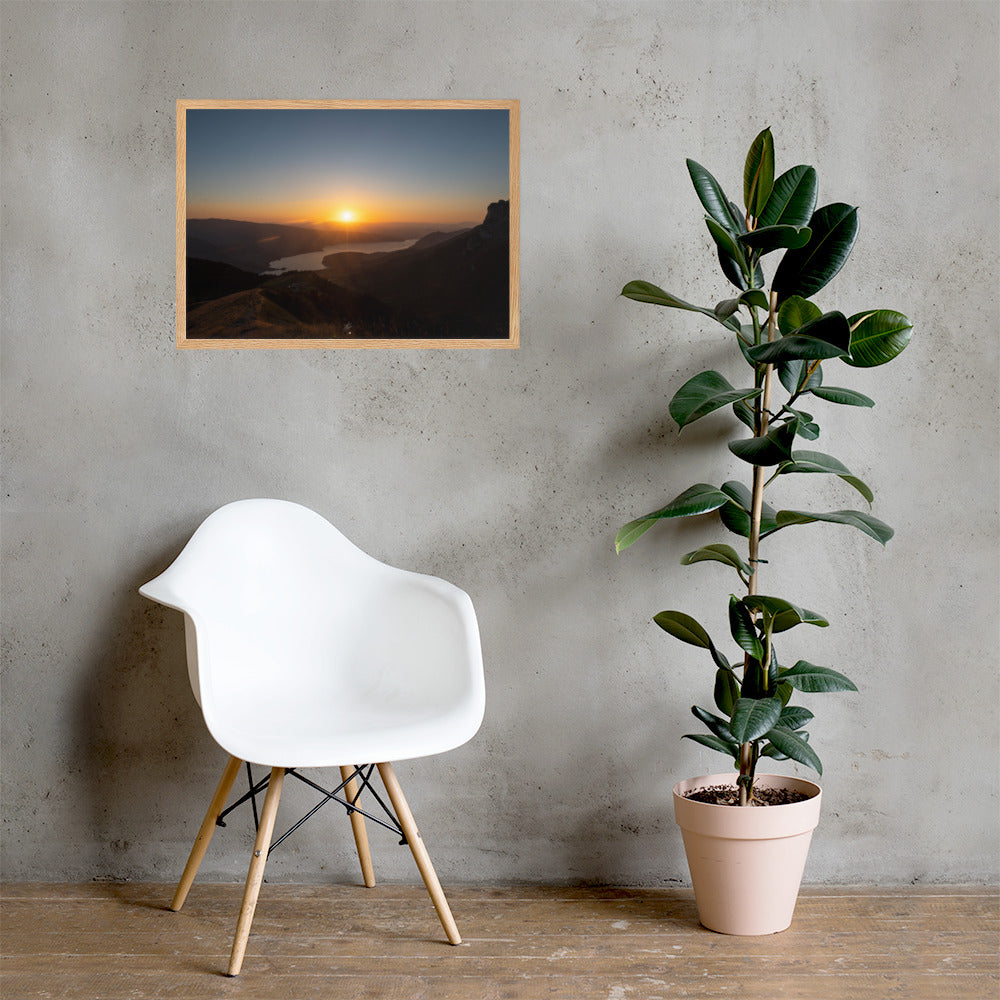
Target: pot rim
<point>766,823</point>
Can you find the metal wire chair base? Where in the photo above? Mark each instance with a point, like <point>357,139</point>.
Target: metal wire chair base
<point>362,775</point>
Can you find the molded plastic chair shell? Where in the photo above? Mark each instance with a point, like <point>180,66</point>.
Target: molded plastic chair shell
<point>303,651</point>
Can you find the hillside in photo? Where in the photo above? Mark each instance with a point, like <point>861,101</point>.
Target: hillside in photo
<point>458,284</point>
<point>251,246</point>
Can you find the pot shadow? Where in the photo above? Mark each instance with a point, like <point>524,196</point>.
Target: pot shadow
<point>674,908</point>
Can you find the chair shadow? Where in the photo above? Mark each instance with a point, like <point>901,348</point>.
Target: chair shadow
<point>139,740</point>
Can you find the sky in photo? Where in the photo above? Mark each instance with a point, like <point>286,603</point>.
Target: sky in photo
<point>346,165</point>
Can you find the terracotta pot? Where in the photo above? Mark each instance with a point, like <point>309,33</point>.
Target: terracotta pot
<point>746,863</point>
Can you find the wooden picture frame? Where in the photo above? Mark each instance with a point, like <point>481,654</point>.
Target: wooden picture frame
<point>347,224</point>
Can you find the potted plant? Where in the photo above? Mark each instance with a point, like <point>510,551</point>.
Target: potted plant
<point>785,338</point>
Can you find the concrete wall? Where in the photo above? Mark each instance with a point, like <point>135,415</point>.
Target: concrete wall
<point>507,472</point>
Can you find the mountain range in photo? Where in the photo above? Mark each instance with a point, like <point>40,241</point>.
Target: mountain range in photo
<point>405,280</point>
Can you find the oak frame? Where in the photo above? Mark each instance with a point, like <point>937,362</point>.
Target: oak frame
<point>513,338</point>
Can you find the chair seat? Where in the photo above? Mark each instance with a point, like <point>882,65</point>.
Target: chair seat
<point>306,731</point>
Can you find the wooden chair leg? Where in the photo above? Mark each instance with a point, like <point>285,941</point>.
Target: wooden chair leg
<point>358,826</point>
<point>420,854</point>
<point>256,873</point>
<point>204,837</point>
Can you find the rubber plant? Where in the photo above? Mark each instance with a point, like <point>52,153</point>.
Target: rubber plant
<point>786,339</point>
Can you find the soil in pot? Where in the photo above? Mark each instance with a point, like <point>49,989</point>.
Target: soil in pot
<point>729,795</point>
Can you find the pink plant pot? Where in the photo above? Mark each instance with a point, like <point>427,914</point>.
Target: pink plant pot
<point>746,862</point>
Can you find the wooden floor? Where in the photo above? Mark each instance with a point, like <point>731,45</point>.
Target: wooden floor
<point>104,941</point>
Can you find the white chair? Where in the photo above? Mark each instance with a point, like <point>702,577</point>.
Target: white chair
<point>303,651</point>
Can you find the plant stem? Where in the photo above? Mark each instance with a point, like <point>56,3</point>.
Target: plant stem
<point>766,663</point>
<point>746,773</point>
<point>756,507</point>
<point>763,419</point>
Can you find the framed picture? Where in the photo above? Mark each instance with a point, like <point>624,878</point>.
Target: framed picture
<point>347,224</point>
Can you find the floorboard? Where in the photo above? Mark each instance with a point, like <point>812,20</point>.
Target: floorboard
<point>118,941</point>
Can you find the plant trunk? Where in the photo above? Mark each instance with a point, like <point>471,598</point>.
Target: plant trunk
<point>747,761</point>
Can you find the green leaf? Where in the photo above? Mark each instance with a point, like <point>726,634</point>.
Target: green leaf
<point>738,493</point>
<point>744,344</point>
<point>736,515</point>
<point>807,430</point>
<point>793,198</point>
<point>793,374</point>
<point>753,717</point>
<point>771,448</point>
<point>815,680</point>
<point>828,336</point>
<point>724,309</point>
<point>742,627</point>
<point>727,691</point>
<point>794,717</point>
<point>732,271</point>
<point>771,238</point>
<point>718,553</point>
<point>731,749</point>
<point>806,270</point>
<point>846,397</point>
<point>878,337</point>
<point>793,347</point>
<point>741,224</point>
<point>795,312</point>
<point>755,297</point>
<point>720,661</point>
<point>794,746</point>
<point>754,685</point>
<point>704,393</point>
<point>683,627</point>
<point>772,607</point>
<point>645,291</point>
<point>698,499</point>
<point>756,282</point>
<point>744,414</point>
<point>816,461</point>
<point>631,532</point>
<point>720,727</point>
<point>784,620</point>
<point>758,173</point>
<point>736,519</point>
<point>872,526</point>
<point>772,751</point>
<point>862,487</point>
<point>713,198</point>
<point>727,244</point>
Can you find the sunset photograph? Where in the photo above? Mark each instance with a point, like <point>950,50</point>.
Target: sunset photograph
<point>360,225</point>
